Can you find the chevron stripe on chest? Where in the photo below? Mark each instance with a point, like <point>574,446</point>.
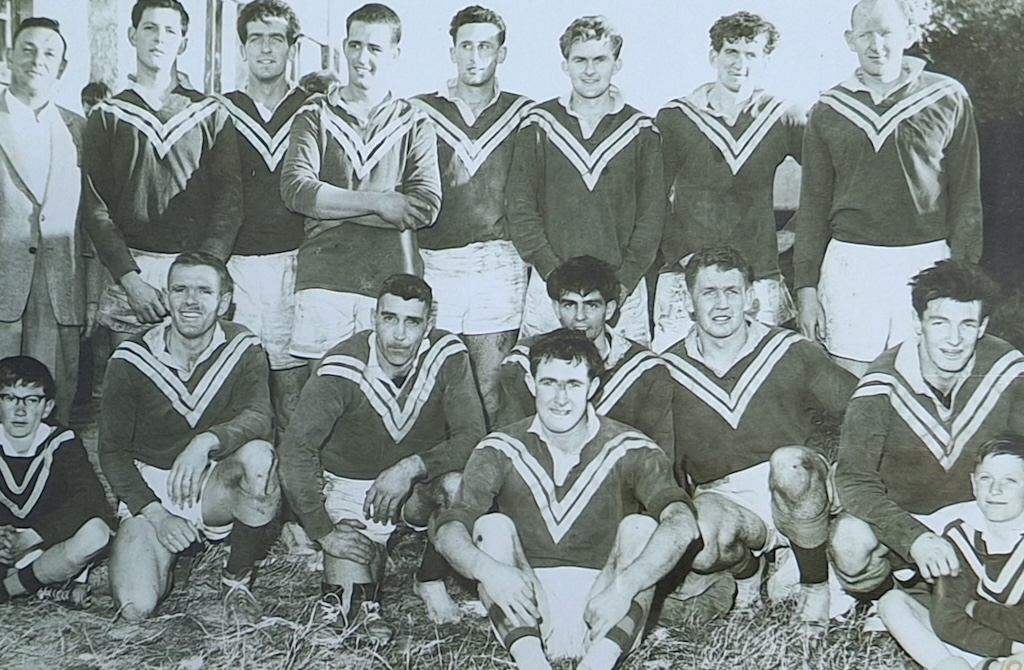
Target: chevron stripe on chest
<point>1006,588</point>
<point>622,379</point>
<point>191,405</point>
<point>945,439</point>
<point>365,149</point>
<point>270,147</point>
<point>162,135</point>
<point>735,150</point>
<point>879,126</point>
<point>12,492</point>
<point>590,164</point>
<point>399,417</point>
<point>731,405</point>
<point>474,152</point>
<point>560,513</point>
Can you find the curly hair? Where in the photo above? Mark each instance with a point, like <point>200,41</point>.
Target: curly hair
<point>588,28</point>
<point>477,14</point>
<point>957,280</point>
<point>743,26</point>
<point>261,10</point>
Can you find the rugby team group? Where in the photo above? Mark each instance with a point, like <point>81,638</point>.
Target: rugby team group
<point>433,313</point>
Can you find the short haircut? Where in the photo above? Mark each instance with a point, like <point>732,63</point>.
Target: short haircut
<point>27,371</point>
<point>743,26</point>
<point>957,280</point>
<point>142,5</point>
<point>375,12</point>
<point>1010,444</point>
<point>916,12</point>
<point>407,287</point>
<point>583,275</point>
<point>41,22</point>
<point>95,92</point>
<point>588,28</point>
<point>262,10</point>
<point>193,259</point>
<point>568,345</point>
<point>723,258</point>
<point>477,14</point>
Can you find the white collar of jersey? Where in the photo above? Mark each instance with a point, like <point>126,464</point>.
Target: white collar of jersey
<point>374,367</point>
<point>618,345</point>
<point>42,433</point>
<point>156,340</point>
<point>153,100</point>
<point>700,98</point>
<point>261,108</point>
<point>21,111</point>
<point>971,515</point>
<point>593,426</point>
<point>908,365</point>
<point>335,98</point>
<point>756,331</point>
<point>618,103</point>
<point>450,93</point>
<point>912,69</point>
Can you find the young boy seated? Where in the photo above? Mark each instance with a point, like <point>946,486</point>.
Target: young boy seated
<point>53,508</point>
<point>975,618</point>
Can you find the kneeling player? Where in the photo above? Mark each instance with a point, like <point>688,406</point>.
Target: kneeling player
<point>53,502</point>
<point>382,426</point>
<point>589,519</point>
<point>183,442</point>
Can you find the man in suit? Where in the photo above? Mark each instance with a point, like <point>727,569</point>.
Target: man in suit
<point>44,256</point>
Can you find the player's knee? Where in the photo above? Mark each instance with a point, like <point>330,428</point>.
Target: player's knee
<point>258,461</point>
<point>852,544</point>
<point>795,470</point>
<point>139,608</point>
<point>720,533</point>
<point>494,534</point>
<point>90,540</point>
<point>893,605</point>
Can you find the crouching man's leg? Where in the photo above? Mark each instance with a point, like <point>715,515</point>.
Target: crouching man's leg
<point>141,559</point>
<point>801,509</point>
<point>426,500</point>
<point>859,558</point>
<point>58,563</point>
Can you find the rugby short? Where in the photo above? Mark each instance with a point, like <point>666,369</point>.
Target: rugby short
<point>865,294</point>
<point>324,318</point>
<point>750,490</point>
<point>539,315</point>
<point>264,300</point>
<point>478,289</point>
<point>774,306</point>
<point>156,480</point>
<point>114,311</point>
<point>343,499</point>
<point>562,596</point>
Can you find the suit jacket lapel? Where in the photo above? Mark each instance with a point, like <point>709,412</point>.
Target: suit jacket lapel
<point>8,146</point>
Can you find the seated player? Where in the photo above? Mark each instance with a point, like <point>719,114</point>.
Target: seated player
<point>386,420</point>
<point>184,430</point>
<point>634,387</point>
<point>981,610</point>
<point>913,429</point>
<point>743,411</point>
<point>589,519</point>
<point>54,510</point>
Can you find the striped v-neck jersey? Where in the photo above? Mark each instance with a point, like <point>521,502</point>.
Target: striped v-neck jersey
<point>392,150</point>
<point>474,161</point>
<point>353,421</point>
<point>601,195</point>
<point>574,522</point>
<point>896,172</point>
<point>163,180</point>
<point>268,227</point>
<point>720,176</point>
<point>902,451</point>
<point>766,400</point>
<point>151,410</point>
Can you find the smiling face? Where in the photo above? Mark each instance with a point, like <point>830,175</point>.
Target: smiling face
<point>159,38</point>
<point>740,64</point>
<point>476,53</point>
<point>948,333</point>
<point>719,301</point>
<point>590,66</point>
<point>196,300</point>
<point>369,54</point>
<point>266,50</point>
<point>22,409</point>
<point>400,326</point>
<point>585,313</point>
<point>561,391</point>
<point>36,60</point>
<point>998,483</point>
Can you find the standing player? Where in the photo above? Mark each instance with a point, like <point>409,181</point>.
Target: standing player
<point>588,520</point>
<point>742,414</point>
<point>161,177</point>
<point>586,179</point>
<point>183,442</point>
<point>722,145</point>
<point>382,426</point>
<point>478,278</point>
<point>362,168</point>
<point>634,387</point>
<point>890,186</point>
<point>263,260</point>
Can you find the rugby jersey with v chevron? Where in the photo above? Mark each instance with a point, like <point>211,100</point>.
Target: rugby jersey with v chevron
<point>151,410</point>
<point>766,400</point>
<point>474,161</point>
<point>902,452</point>
<point>268,227</point>
<point>620,472</point>
<point>602,195</point>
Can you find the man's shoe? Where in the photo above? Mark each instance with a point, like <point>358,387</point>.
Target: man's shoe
<point>240,604</point>
<point>748,589</point>
<point>73,595</point>
<point>366,619</point>
<point>812,607</point>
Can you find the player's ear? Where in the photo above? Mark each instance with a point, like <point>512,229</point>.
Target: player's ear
<point>917,323</point>
<point>48,406</point>
<point>595,383</point>
<point>848,36</point>
<point>565,66</point>
<point>224,303</point>
<point>982,328</point>
<point>131,35</point>
<point>63,66</point>
<point>451,53</point>
<point>688,301</point>
<point>609,309</point>
<point>617,66</point>
<point>183,45</point>
<point>502,52</point>
<point>712,56</point>
<point>974,485</point>
<point>531,384</point>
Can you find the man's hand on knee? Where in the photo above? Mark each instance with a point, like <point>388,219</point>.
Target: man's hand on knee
<point>606,609</point>
<point>935,557</point>
<point>511,589</point>
<point>347,543</point>
<point>186,474</point>
<point>174,533</point>
<point>384,499</point>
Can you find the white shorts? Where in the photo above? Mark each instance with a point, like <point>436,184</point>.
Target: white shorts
<point>865,294</point>
<point>324,318</point>
<point>265,301</point>
<point>563,597</point>
<point>479,289</point>
<point>539,315</point>
<point>114,311</point>
<point>156,479</point>
<point>750,490</point>
<point>774,306</point>
<point>343,499</point>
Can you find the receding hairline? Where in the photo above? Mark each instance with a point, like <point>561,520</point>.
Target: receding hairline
<point>864,5</point>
